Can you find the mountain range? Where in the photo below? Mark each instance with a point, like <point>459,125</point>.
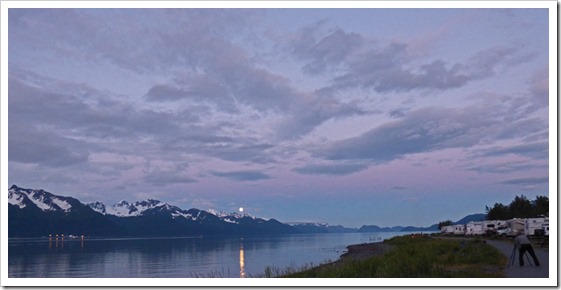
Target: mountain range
<point>36,212</point>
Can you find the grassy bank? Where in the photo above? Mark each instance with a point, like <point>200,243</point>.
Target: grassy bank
<point>418,257</point>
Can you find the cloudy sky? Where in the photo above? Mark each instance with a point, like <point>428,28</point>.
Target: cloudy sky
<point>346,116</point>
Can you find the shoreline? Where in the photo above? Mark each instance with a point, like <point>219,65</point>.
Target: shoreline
<point>357,252</point>
<point>364,251</point>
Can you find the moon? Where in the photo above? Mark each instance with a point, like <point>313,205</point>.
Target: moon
<point>241,209</point>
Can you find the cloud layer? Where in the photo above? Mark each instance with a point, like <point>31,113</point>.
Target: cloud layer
<point>204,102</point>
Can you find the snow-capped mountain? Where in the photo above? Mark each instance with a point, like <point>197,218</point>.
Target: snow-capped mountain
<point>35,212</point>
<point>45,201</point>
<point>233,217</point>
<point>320,227</point>
<point>152,206</point>
<point>124,208</point>
<point>144,207</point>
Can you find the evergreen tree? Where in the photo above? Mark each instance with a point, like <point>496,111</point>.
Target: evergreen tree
<point>521,207</point>
<point>541,206</point>
<point>498,212</point>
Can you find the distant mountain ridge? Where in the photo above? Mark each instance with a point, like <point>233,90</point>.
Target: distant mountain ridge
<point>40,213</point>
<point>471,218</point>
<point>36,212</point>
<point>321,228</point>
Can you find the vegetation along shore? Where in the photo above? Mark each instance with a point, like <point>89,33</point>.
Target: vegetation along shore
<point>412,256</point>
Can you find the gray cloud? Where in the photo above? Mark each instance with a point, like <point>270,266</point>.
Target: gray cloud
<point>388,69</point>
<point>242,175</point>
<point>539,150</point>
<point>94,114</point>
<point>323,49</point>
<point>330,169</point>
<point>304,117</point>
<point>421,131</point>
<point>27,145</point>
<point>220,146</point>
<point>503,167</point>
<point>431,129</point>
<point>98,124</point>
<point>398,113</point>
<point>527,181</point>
<point>165,93</point>
<point>182,38</point>
<point>158,177</point>
<point>539,87</point>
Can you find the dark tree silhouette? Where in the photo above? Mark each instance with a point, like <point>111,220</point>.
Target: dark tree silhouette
<point>498,212</point>
<point>541,205</point>
<point>520,207</point>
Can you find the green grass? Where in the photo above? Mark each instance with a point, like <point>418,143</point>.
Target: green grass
<point>417,257</point>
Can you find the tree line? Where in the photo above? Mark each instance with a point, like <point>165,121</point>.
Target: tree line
<point>520,207</point>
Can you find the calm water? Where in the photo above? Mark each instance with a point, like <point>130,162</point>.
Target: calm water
<point>175,257</point>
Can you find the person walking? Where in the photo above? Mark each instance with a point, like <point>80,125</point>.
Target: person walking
<point>523,245</point>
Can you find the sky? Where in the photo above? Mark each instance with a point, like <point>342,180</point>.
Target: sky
<point>347,116</point>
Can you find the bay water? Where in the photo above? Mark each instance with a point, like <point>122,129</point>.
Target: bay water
<point>185,257</point>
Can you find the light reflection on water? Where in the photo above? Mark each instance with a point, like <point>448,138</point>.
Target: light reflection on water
<point>242,262</point>
<point>174,257</point>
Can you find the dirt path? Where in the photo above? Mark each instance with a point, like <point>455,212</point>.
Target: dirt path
<point>527,271</point>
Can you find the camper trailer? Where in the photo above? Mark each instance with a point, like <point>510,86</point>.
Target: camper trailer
<point>546,229</point>
<point>514,226</point>
<point>534,226</point>
<point>474,228</point>
<point>459,230</point>
<point>493,227</point>
<point>447,230</point>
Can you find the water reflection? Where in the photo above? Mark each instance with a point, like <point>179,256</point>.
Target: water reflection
<point>170,257</point>
<point>56,241</point>
<point>242,263</point>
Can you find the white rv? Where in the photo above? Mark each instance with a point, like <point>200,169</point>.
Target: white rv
<point>494,226</point>
<point>514,226</point>
<point>459,229</point>
<point>448,230</point>
<point>534,226</point>
<point>546,229</point>
<point>474,228</point>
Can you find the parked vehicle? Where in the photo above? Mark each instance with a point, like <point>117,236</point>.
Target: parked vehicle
<point>447,230</point>
<point>459,229</point>
<point>474,228</point>
<point>546,229</point>
<point>491,227</point>
<point>502,230</point>
<point>534,226</point>
<point>514,226</point>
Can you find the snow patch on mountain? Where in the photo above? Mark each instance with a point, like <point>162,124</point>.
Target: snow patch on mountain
<point>42,199</point>
<point>230,221</point>
<point>65,206</point>
<point>233,215</point>
<point>16,198</point>
<point>217,213</point>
